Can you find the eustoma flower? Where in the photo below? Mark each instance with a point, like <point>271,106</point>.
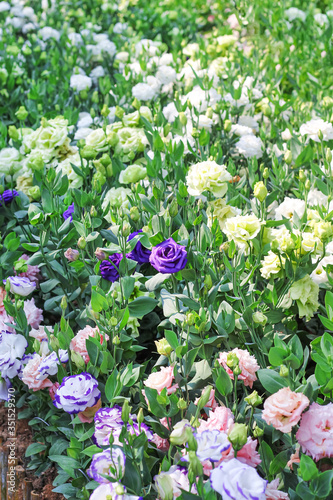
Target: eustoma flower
<point>283,409</point>
<point>112,491</point>
<point>139,252</point>
<point>315,433</point>
<point>168,257</point>
<point>7,196</point>
<point>110,463</point>
<point>76,393</point>
<point>12,348</point>
<point>68,214</point>
<point>211,445</point>
<point>21,286</point>
<point>110,268</point>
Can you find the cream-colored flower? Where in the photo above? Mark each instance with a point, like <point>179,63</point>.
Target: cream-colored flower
<point>271,265</point>
<point>242,229</point>
<point>220,210</point>
<point>208,176</point>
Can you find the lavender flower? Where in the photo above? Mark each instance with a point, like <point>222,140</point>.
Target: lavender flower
<point>77,393</point>
<point>112,491</point>
<point>5,385</point>
<point>109,271</point>
<point>139,252</point>
<point>233,479</point>
<point>21,286</point>
<point>12,348</point>
<point>49,365</point>
<point>168,257</point>
<point>169,484</point>
<point>68,214</point>
<point>211,445</point>
<point>7,196</point>
<point>110,463</point>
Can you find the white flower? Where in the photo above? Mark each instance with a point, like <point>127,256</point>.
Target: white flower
<point>4,6</point>
<point>211,445</point>
<point>321,19</point>
<point>205,122</point>
<point>143,92</point>
<point>97,139</point>
<point>312,128</point>
<point>21,286</point>
<point>47,32</point>
<point>201,99</point>
<point>319,275</point>
<point>97,72</point>
<point>10,161</point>
<point>316,197</point>
<point>236,480</point>
<point>12,348</point>
<point>77,393</point>
<point>80,82</point>
<point>289,207</point>
<point>170,112</point>
<point>242,228</point>
<point>249,121</point>
<point>250,146</point>
<point>271,265</point>
<point>241,130</point>
<point>294,13</point>
<point>166,74</point>
<point>286,135</point>
<point>65,167</point>
<point>208,176</point>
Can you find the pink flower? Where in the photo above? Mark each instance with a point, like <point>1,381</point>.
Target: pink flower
<point>30,373</point>
<point>247,363</point>
<point>221,418</point>
<point>71,255</point>
<point>211,402</point>
<point>294,459</point>
<point>78,343</point>
<point>162,379</point>
<point>248,454</point>
<point>40,333</point>
<point>33,314</point>
<point>53,390</point>
<point>4,318</point>
<point>272,492</point>
<point>87,416</point>
<point>284,408</point>
<point>33,272</point>
<point>161,444</point>
<point>233,22</point>
<point>315,433</point>
<point>3,294</point>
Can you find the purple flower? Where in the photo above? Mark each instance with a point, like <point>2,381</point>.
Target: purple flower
<point>108,270</point>
<point>233,479</point>
<point>12,348</point>
<point>68,214</point>
<point>112,491</point>
<point>77,393</point>
<point>211,445</point>
<point>7,196</point>
<point>139,252</point>
<point>21,285</point>
<point>5,385</point>
<point>49,365</point>
<point>110,463</point>
<point>168,257</point>
<point>169,484</point>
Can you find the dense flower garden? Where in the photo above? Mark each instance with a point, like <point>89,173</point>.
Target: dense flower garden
<point>166,204</point>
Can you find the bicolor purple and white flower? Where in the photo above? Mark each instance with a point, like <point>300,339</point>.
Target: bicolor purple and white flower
<point>234,479</point>
<point>5,385</point>
<point>49,365</point>
<point>169,484</point>
<point>12,348</point>
<point>107,463</point>
<point>112,491</point>
<point>77,392</point>
<point>211,445</point>
<point>21,286</point>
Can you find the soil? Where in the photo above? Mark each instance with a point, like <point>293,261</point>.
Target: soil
<point>41,485</point>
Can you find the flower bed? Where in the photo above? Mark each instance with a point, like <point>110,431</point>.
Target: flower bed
<point>166,207</point>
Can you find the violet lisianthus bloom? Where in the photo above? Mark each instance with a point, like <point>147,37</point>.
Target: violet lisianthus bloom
<point>7,196</point>
<point>139,252</point>
<point>49,365</point>
<point>76,393</point>
<point>20,285</point>
<point>211,445</point>
<point>68,214</point>
<point>168,257</point>
<point>234,479</point>
<point>5,385</point>
<point>112,491</point>
<point>107,268</point>
<point>109,463</point>
<point>12,349</point>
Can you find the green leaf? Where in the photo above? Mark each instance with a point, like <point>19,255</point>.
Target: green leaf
<point>112,386</point>
<point>171,338</point>
<point>322,484</point>
<point>68,464</point>
<point>277,356</point>
<point>223,382</point>
<point>34,449</point>
<point>98,302</point>
<point>91,450</point>
<point>141,306</point>
<point>308,468</point>
<point>128,283</point>
<point>271,380</point>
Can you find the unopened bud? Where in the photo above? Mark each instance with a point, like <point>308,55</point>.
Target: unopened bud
<point>119,112</point>
<point>181,404</point>
<point>21,113</point>
<point>54,342</point>
<point>82,243</point>
<point>260,191</point>
<point>182,118</point>
<point>232,361</point>
<point>284,372</point>
<point>13,133</point>
<point>63,303</point>
<point>328,155</point>
<point>88,153</point>
<point>78,360</point>
<point>204,398</point>
<point>227,125</point>
<point>302,176</point>
<point>34,193</point>
<point>126,229</point>
<point>265,173</point>
<point>100,254</point>
<point>125,412</point>
<point>163,347</point>
<point>238,436</point>
<point>173,208</point>
<point>136,104</point>
<point>105,111</point>
<point>253,399</point>
<point>260,318</point>
<point>134,214</point>
<point>320,135</point>
<point>307,184</point>
<point>288,157</point>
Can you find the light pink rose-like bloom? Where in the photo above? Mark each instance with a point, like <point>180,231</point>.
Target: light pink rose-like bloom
<point>71,255</point>
<point>162,379</point>
<point>33,314</point>
<point>53,390</point>
<point>248,454</point>
<point>294,458</point>
<point>40,333</point>
<point>161,444</point>
<point>272,492</point>
<point>3,294</point>
<point>78,343</point>
<point>212,403</point>
<point>4,318</point>
<point>30,374</point>
<point>283,409</point>
<point>247,363</point>
<point>221,419</point>
<point>315,433</point>
<point>33,272</point>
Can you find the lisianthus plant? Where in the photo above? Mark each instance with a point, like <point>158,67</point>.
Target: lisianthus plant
<point>166,267</point>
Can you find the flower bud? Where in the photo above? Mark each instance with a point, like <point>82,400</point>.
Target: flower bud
<point>284,372</point>
<point>208,282</point>
<point>36,345</point>
<point>13,133</point>
<point>182,118</point>
<point>78,360</point>
<point>21,113</point>
<point>181,433</point>
<point>253,399</point>
<point>288,157</point>
<point>140,416</point>
<point>163,347</point>
<point>126,229</point>
<point>266,109</point>
<point>54,342</point>
<point>260,318</point>
<point>257,431</point>
<point>173,208</point>
<point>265,173</point>
<point>88,153</point>
<point>204,398</point>
<point>238,436</point>
<point>105,111</point>
<point>63,303</point>
<point>227,125</point>
<point>320,135</point>
<point>125,412</point>
<point>323,230</point>
<point>112,139</point>
<point>71,255</point>
<point>328,155</point>
<point>82,243</point>
<point>19,304</point>
<point>181,404</point>
<point>116,340</point>
<point>105,160</point>
<point>195,466</point>
<point>232,361</point>
<point>136,104</point>
<point>36,162</point>
<point>119,112</point>
<point>21,266</point>
<point>34,193</point>
<point>195,133</point>
<point>307,184</point>
<point>260,191</point>
<point>302,176</point>
<point>134,214</point>
<point>327,102</point>
<point>209,113</point>
<point>100,254</point>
